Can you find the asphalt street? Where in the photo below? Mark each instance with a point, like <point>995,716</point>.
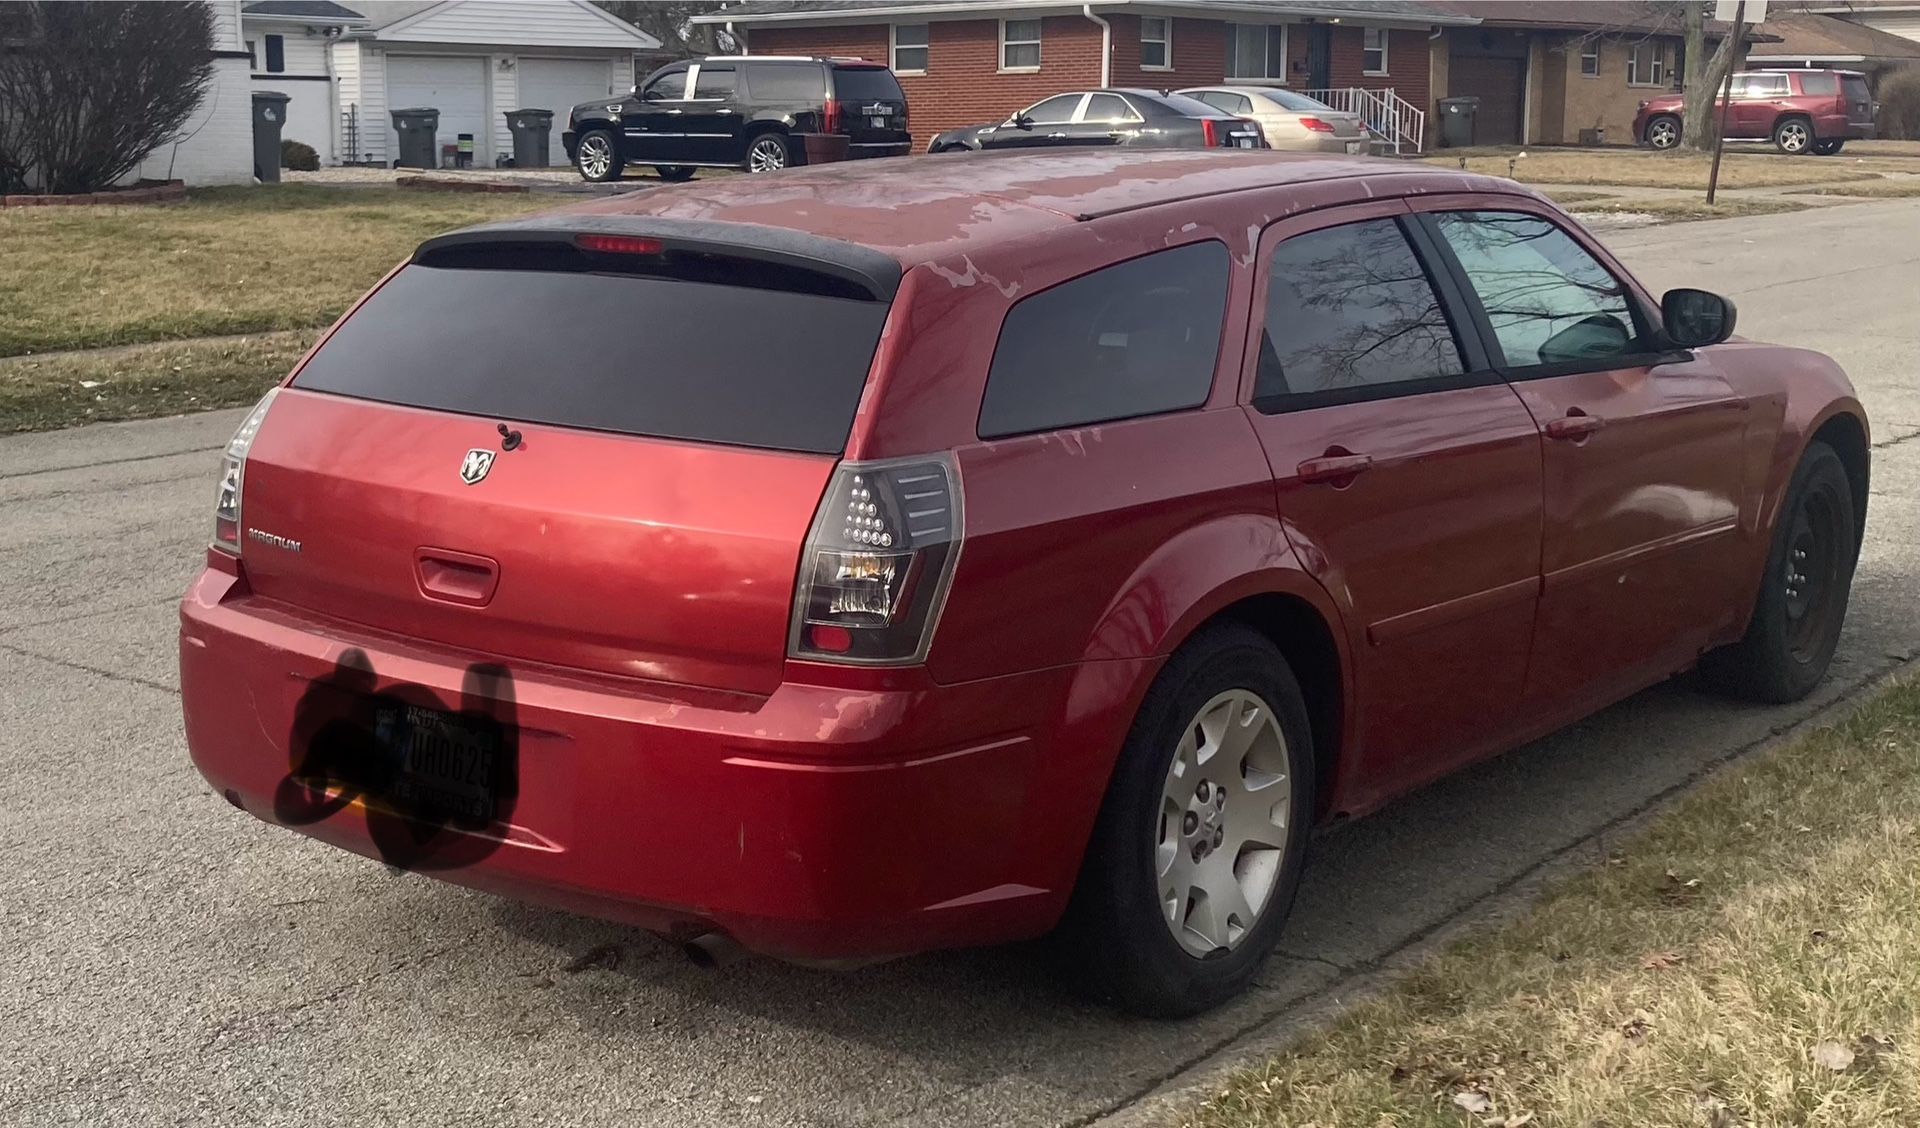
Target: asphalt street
<point>168,960</point>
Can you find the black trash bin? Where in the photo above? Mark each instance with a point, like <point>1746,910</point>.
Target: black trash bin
<point>1456,121</point>
<point>269,114</point>
<point>417,128</point>
<point>531,131</point>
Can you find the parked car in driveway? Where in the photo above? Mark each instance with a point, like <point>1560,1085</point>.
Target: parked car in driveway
<point>1799,111</point>
<point>1045,545</point>
<point>1288,119</point>
<point>728,111</point>
<point>1105,118</point>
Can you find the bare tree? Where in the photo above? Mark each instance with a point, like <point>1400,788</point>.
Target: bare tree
<point>1704,77</point>
<point>88,90</point>
<point>668,21</point>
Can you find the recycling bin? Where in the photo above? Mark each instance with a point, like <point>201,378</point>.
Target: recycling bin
<point>1456,121</point>
<point>269,114</point>
<point>531,131</point>
<point>416,128</point>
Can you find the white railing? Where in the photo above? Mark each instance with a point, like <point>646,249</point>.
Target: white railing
<point>1400,125</point>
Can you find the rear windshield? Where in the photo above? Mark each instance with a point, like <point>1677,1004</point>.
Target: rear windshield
<point>866,84</point>
<point>1299,103</point>
<point>634,354</point>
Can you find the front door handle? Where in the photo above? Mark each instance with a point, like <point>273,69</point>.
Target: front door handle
<point>1338,466</point>
<point>1056,136</point>
<point>1574,426</point>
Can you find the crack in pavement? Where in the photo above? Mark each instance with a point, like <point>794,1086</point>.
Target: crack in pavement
<point>1377,964</point>
<point>1898,439</point>
<point>110,675</point>
<point>109,462</point>
<point>84,615</point>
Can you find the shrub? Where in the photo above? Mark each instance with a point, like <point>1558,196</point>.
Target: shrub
<point>89,90</point>
<point>1900,105</point>
<point>298,156</point>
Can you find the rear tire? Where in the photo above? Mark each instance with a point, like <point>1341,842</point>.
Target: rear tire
<point>674,174</point>
<point>769,152</point>
<point>1828,148</point>
<point>1663,132</point>
<point>596,156</point>
<point>1793,136</point>
<point>1803,598</point>
<point>1143,931</point>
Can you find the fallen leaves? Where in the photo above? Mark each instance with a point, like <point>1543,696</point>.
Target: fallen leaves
<point>1474,1101</point>
<point>1636,1029</point>
<point>1832,1055</point>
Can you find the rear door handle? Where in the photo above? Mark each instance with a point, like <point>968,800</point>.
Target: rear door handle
<point>1336,466</point>
<point>1574,426</point>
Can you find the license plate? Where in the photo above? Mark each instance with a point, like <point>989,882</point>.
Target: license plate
<point>445,763</point>
<point>1356,146</point>
<point>1243,142</point>
<point>878,121</point>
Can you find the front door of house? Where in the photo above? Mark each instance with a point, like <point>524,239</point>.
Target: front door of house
<point>1319,56</point>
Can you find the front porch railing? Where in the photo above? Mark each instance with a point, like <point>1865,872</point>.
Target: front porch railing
<point>1400,126</point>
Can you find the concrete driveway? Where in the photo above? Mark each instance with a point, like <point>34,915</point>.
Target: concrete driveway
<point>169,960</point>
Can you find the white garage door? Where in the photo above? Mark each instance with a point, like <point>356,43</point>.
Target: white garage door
<point>456,87</point>
<point>559,85</point>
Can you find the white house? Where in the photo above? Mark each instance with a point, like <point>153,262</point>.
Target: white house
<point>473,60</point>
<point>215,145</point>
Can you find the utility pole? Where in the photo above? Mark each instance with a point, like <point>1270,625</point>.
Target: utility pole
<point>1726,97</point>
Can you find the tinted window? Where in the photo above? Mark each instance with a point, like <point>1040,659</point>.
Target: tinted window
<point>866,84</point>
<point>787,82</point>
<point>1819,83</point>
<point>642,355</point>
<point>1133,339</point>
<point>713,82</point>
<point>1549,300</point>
<point>1107,107</point>
<point>1350,307</point>
<point>669,87</point>
<point>1054,111</point>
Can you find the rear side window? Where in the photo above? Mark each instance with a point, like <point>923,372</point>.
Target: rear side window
<point>1819,82</point>
<point>713,83</point>
<point>610,352</point>
<point>787,82</point>
<point>1350,308</point>
<point>866,84</point>
<point>1137,338</point>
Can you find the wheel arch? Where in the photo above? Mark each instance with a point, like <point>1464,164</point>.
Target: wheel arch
<point>1310,644</point>
<point>1846,433</point>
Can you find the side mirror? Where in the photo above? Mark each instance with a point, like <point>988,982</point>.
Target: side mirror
<point>1022,121</point>
<point>1695,318</point>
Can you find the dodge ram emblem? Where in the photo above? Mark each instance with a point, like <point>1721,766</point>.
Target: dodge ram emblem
<point>475,466</point>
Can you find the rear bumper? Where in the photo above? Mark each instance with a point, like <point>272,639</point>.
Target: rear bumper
<point>817,823</point>
<point>1320,145</point>
<point>860,150</point>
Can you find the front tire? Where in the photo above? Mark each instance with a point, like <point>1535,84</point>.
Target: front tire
<point>1803,599</point>
<point>674,174</point>
<point>1793,136</point>
<point>597,156</point>
<point>1196,855</point>
<point>1663,132</point>
<point>768,152</point>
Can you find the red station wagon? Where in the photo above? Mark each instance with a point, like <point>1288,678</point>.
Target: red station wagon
<point>872,559</point>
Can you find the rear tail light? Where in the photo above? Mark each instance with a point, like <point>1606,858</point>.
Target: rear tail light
<point>1315,125</point>
<point>233,477</point>
<point>1215,135</point>
<point>877,563</point>
<point>830,120</point>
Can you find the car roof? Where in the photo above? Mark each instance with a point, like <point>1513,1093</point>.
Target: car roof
<point>924,208</point>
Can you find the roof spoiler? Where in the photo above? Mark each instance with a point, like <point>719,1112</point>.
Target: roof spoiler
<point>876,274</point>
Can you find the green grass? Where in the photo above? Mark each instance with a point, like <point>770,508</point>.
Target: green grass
<point>234,260</point>
<point>39,393</point>
<point>1751,958</point>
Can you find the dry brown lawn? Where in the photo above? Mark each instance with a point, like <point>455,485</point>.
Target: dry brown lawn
<point>1753,958</point>
<point>241,260</point>
<point>1644,169</point>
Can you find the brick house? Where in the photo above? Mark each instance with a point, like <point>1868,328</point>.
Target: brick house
<point>965,63</point>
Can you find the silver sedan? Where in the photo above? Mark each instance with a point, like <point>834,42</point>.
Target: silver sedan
<point>1290,120</point>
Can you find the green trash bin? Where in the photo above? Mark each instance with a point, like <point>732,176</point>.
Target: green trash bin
<point>269,114</point>
<point>1456,121</point>
<point>416,128</point>
<point>532,131</point>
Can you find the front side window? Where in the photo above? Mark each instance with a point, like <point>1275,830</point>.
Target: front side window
<point>668,87</point>
<point>1350,308</point>
<point>1019,44</point>
<point>1257,51</point>
<point>713,84</point>
<point>1547,299</point>
<point>909,48</point>
<point>1138,338</point>
<point>1374,51</point>
<point>1156,42</point>
<point>1057,110</point>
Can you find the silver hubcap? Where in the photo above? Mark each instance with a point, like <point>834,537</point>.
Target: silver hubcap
<point>596,156</point>
<point>1793,137</point>
<point>766,156</point>
<point>1663,134</point>
<point>1222,830</point>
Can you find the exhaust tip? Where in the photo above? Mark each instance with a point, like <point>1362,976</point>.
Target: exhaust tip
<point>711,950</point>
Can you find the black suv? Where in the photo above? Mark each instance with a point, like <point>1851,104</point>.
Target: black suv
<point>731,111</point>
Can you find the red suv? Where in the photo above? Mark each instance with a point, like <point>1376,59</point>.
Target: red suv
<point>1798,110</point>
<point>877,558</point>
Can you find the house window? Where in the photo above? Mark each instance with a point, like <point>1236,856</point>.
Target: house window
<point>276,54</point>
<point>1373,52</point>
<point>1590,59</point>
<point>1019,45</point>
<point>1647,64</point>
<point>1156,42</point>
<point>1257,51</point>
<point>909,49</point>
<point>253,60</point>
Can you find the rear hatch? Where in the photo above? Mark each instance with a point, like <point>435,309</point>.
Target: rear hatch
<point>1858,101</point>
<point>873,109</point>
<point>602,460</point>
